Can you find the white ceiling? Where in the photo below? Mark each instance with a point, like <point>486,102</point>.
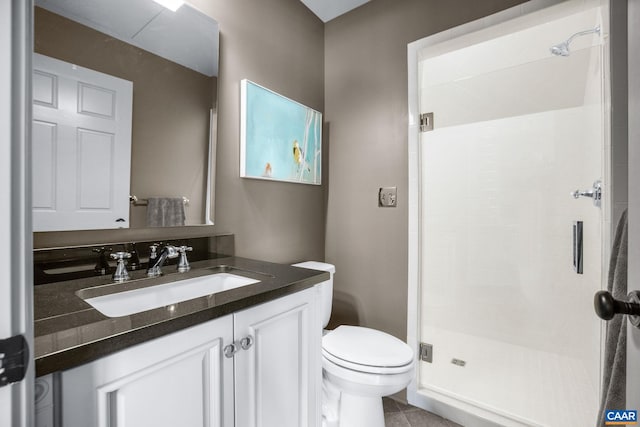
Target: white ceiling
<point>149,26</point>
<point>329,9</point>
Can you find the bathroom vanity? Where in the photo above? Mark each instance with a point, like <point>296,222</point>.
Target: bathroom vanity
<point>248,356</point>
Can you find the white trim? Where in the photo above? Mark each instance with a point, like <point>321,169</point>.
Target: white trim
<point>209,207</point>
<point>633,334</point>
<point>16,290</point>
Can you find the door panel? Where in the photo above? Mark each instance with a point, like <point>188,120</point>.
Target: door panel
<point>284,357</point>
<point>181,379</point>
<point>175,392</point>
<point>45,143</point>
<point>96,165</point>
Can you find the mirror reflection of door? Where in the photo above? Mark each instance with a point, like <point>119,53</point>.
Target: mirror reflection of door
<point>172,60</point>
<point>81,147</point>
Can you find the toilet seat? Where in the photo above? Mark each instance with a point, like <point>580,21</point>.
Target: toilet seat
<point>367,350</point>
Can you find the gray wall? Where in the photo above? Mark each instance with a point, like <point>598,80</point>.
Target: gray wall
<point>619,103</point>
<point>278,44</point>
<point>366,113</point>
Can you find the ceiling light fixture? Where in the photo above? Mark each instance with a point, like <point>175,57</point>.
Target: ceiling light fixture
<point>172,5</point>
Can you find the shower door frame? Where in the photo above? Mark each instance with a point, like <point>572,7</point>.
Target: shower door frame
<point>465,413</point>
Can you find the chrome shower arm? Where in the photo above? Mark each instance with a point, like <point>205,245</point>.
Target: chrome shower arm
<point>584,33</point>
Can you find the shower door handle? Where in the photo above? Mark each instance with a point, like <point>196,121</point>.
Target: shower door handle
<point>594,192</point>
<point>607,307</point>
<point>577,247</point>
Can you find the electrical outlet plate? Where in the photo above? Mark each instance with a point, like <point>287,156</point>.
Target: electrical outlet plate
<point>387,197</point>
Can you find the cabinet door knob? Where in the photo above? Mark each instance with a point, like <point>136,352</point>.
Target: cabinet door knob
<point>230,350</point>
<point>246,342</point>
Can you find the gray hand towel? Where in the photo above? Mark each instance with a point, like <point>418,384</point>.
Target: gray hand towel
<point>165,212</point>
<point>614,382</point>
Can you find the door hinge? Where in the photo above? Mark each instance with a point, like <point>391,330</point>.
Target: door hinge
<point>426,352</point>
<point>426,122</point>
<point>14,359</point>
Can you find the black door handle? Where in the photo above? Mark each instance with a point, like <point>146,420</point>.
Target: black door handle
<point>607,306</point>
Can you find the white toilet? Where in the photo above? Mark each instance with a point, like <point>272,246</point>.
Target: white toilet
<point>359,367</point>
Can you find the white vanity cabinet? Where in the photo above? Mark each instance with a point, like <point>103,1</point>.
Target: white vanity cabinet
<point>182,379</point>
<point>278,379</point>
<point>185,379</point>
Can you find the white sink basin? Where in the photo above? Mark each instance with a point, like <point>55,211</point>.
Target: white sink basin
<point>138,300</point>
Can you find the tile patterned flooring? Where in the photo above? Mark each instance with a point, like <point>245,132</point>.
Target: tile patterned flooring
<point>397,414</point>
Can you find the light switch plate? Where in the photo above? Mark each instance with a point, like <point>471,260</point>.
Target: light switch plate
<point>388,197</point>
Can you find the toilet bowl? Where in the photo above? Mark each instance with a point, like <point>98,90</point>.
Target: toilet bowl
<point>359,366</point>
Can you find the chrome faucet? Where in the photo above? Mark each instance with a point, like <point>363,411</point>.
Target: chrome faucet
<point>102,265</point>
<point>167,252</point>
<point>183,263</point>
<point>121,274</point>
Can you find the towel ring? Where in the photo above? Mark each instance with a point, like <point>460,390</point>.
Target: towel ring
<point>607,306</point>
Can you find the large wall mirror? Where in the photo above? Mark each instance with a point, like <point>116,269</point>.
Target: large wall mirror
<point>171,58</point>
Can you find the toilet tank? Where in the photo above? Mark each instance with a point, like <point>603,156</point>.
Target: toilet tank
<point>326,288</point>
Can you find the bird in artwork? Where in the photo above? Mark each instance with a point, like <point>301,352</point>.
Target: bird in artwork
<point>298,156</point>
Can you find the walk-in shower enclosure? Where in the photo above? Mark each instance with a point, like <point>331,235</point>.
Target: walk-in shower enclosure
<point>504,261</point>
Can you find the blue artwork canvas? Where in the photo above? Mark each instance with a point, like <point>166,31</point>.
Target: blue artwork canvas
<point>280,139</point>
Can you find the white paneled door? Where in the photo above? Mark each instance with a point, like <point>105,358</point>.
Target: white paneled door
<point>81,147</point>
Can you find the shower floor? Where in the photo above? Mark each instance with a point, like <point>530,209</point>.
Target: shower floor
<point>542,388</point>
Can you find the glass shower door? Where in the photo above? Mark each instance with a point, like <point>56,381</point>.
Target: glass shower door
<point>517,129</point>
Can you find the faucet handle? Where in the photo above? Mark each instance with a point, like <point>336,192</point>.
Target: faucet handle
<point>134,260</point>
<point>102,264</point>
<point>121,274</point>
<point>183,263</point>
<point>120,256</point>
<point>153,250</point>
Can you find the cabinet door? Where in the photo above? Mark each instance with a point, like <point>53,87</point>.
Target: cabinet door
<point>278,378</point>
<point>181,379</point>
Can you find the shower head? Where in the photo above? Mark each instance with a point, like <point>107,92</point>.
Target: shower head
<point>562,49</point>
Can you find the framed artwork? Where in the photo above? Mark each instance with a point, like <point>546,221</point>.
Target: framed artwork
<point>280,139</point>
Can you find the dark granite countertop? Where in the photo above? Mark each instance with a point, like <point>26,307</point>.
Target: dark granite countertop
<point>70,332</point>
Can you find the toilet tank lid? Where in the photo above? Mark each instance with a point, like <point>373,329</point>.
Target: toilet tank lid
<point>315,265</point>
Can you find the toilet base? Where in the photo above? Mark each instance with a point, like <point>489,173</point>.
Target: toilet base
<point>360,411</point>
